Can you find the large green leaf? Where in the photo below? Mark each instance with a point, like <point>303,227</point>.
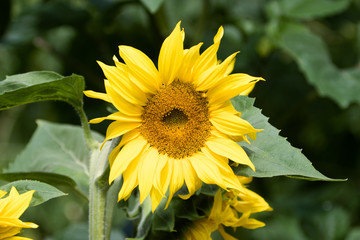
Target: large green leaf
<point>271,154</point>
<point>56,148</point>
<point>32,87</point>
<point>43,192</point>
<point>46,177</point>
<point>163,219</point>
<point>310,53</point>
<point>308,9</point>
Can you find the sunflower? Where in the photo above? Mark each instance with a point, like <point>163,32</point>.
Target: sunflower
<point>176,121</point>
<point>11,208</point>
<point>226,212</point>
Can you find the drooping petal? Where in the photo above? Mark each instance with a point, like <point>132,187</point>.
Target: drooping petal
<point>147,167</point>
<point>130,177</point>
<point>171,55</point>
<point>177,178</point>
<point>228,176</point>
<point>216,209</point>
<point>191,179</point>
<point>163,174</point>
<point>156,197</point>
<point>142,70</point>
<point>113,155</point>
<point>231,86</point>
<point>207,171</point>
<point>125,156</point>
<point>228,148</point>
<point>166,174</point>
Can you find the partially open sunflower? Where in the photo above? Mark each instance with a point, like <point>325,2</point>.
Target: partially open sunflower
<point>176,121</point>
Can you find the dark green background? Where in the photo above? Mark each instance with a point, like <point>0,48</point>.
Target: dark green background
<point>305,49</point>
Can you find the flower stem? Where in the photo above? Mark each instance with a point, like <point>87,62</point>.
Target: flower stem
<point>90,141</point>
<point>97,198</point>
<point>102,196</point>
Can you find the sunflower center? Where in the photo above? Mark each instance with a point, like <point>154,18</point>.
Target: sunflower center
<point>176,120</point>
<point>175,117</point>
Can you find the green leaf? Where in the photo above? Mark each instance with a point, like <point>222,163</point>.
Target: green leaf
<point>32,87</point>
<point>310,53</point>
<point>309,9</point>
<point>43,192</point>
<point>209,189</point>
<point>49,178</point>
<point>185,208</point>
<point>354,234</point>
<point>163,219</point>
<point>152,5</point>
<point>271,154</point>
<point>56,148</point>
<point>144,224</point>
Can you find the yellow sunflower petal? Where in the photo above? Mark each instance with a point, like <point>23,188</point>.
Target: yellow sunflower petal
<point>224,234</point>
<point>147,167</point>
<point>125,156</point>
<point>171,55</point>
<point>113,155</point>
<point>231,86</point>
<point>213,75</point>
<point>18,203</point>
<point>120,103</point>
<point>177,179</point>
<point>230,67</point>
<point>190,57</point>
<point>117,128</point>
<point>2,193</point>
<point>216,209</point>
<point>191,179</point>
<point>229,178</point>
<point>165,173</point>
<point>162,175</point>
<point>120,82</point>
<point>231,124</point>
<point>129,136</point>
<point>142,70</point>
<point>16,223</point>
<point>118,116</point>
<point>207,171</point>
<point>7,232</point>
<point>156,197</point>
<point>92,94</point>
<point>230,149</point>
<point>208,58</point>
<point>130,180</point>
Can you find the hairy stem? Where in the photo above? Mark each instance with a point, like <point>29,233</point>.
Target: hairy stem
<point>90,141</point>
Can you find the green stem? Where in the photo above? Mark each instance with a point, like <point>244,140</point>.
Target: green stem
<point>90,141</point>
<point>97,196</point>
<point>100,204</point>
<point>111,201</point>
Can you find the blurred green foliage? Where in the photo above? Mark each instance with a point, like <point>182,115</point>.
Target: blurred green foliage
<point>308,51</point>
